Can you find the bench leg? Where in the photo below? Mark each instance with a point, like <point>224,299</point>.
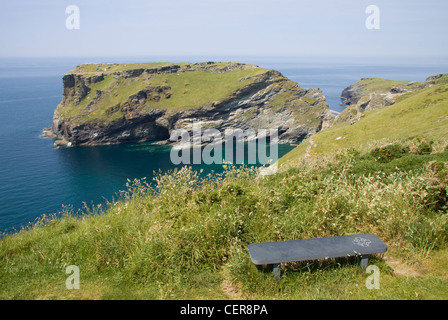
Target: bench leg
<point>277,271</point>
<point>364,261</point>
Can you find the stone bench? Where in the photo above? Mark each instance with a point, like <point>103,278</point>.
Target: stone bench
<point>275,253</point>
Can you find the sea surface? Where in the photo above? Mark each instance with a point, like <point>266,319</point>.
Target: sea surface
<point>38,179</point>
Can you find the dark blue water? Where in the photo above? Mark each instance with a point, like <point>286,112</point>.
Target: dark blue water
<point>36,178</point>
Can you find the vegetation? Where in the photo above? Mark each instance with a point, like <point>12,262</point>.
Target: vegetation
<point>117,67</point>
<point>384,85</point>
<point>188,88</point>
<point>187,236</point>
<point>421,113</point>
<point>194,89</point>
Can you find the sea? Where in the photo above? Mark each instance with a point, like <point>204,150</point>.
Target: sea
<point>39,179</point>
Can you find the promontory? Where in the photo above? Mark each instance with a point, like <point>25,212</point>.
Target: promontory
<point>110,103</point>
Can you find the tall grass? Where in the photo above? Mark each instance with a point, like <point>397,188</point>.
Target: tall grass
<point>187,229</point>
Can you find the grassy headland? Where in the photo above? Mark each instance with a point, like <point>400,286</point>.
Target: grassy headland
<point>188,88</point>
<point>419,113</point>
<point>120,103</point>
<point>187,238</point>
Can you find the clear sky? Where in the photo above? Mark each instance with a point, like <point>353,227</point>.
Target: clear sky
<point>408,28</point>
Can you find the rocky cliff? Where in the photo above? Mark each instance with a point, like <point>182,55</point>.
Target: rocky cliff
<point>118,103</point>
<point>375,93</point>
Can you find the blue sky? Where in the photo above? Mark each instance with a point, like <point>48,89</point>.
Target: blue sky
<point>224,28</point>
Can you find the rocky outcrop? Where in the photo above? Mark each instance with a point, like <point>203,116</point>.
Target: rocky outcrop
<point>370,94</point>
<point>138,129</point>
<point>368,97</point>
<point>374,93</point>
<point>114,103</point>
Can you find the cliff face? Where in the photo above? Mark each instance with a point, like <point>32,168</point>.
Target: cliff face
<point>375,93</point>
<point>118,103</point>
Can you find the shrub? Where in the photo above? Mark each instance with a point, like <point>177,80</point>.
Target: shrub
<point>421,146</point>
<point>389,153</point>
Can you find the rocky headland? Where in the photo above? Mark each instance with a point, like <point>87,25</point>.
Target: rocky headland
<point>375,93</point>
<point>119,103</point>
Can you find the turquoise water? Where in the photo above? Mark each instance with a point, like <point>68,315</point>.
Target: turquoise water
<point>36,178</point>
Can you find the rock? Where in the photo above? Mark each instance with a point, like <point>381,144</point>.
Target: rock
<point>352,94</point>
<point>395,90</point>
<point>430,81</point>
<point>365,95</point>
<point>62,143</point>
<point>434,77</point>
<point>262,99</point>
<point>48,133</point>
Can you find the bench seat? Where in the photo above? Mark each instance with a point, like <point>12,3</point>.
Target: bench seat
<point>275,253</point>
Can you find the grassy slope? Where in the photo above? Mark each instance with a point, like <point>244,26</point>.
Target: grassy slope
<point>384,85</point>
<point>194,89</point>
<point>189,238</point>
<point>305,109</point>
<point>191,242</point>
<point>116,67</point>
<point>421,113</point>
<point>367,86</point>
<point>189,89</point>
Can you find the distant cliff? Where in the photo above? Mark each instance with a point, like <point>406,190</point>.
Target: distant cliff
<point>118,103</point>
<point>380,113</point>
<point>375,93</point>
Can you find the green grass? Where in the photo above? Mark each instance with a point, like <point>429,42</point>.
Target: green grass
<point>117,67</point>
<point>108,100</point>
<point>280,100</point>
<point>187,239</point>
<point>189,89</point>
<point>197,88</point>
<point>423,113</point>
<point>305,110</point>
<point>384,85</point>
